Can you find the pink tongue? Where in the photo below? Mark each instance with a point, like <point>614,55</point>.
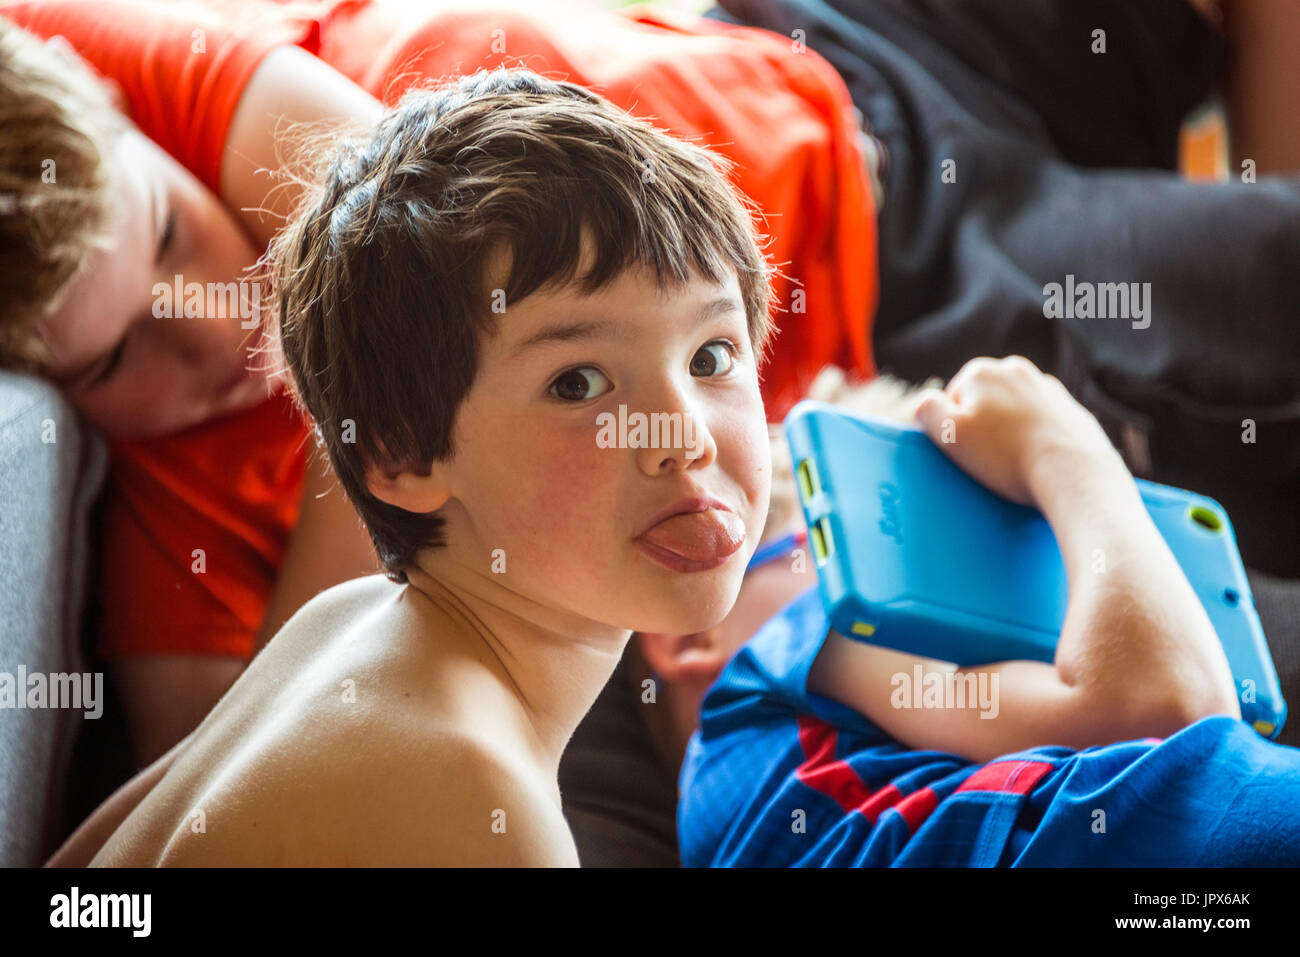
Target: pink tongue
<point>699,536</point>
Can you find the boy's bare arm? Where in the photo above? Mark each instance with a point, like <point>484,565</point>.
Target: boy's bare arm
<point>489,812</point>
<point>1137,655</point>
<point>1263,75</point>
<point>289,87</point>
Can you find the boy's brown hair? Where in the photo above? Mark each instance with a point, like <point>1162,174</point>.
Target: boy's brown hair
<point>57,126</point>
<point>380,284</point>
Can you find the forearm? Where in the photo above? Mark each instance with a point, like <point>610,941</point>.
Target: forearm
<point>1137,654</point>
<point>1136,639</point>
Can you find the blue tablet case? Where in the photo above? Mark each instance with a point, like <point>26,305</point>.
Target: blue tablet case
<point>915,555</point>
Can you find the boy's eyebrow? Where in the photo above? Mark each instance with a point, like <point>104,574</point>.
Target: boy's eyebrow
<point>596,328</point>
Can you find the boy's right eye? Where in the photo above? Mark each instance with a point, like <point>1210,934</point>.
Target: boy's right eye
<point>571,386</point>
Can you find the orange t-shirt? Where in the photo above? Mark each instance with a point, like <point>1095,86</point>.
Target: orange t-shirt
<point>231,487</point>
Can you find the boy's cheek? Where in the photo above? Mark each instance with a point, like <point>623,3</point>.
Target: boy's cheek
<point>553,492</point>
<point>139,408</point>
<point>574,495</point>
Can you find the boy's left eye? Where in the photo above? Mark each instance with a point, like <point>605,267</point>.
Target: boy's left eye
<point>710,365</point>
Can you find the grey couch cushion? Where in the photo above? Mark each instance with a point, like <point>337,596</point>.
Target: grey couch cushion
<point>51,470</point>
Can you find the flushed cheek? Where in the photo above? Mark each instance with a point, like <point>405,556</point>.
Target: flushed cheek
<point>557,498</point>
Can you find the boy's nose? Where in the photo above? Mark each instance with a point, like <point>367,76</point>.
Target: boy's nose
<point>674,441</point>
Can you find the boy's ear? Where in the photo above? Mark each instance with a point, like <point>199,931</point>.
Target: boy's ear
<point>692,659</point>
<point>418,492</point>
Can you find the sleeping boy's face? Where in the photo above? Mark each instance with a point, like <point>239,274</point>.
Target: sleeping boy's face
<point>135,359</point>
<point>614,447</point>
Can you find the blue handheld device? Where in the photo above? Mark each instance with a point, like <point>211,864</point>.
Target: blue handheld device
<point>915,555</point>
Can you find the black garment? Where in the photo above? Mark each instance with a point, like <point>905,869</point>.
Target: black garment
<point>1063,167</point>
<point>1278,602</point>
<point>617,795</point>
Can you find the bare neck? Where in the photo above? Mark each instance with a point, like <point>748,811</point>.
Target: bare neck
<point>554,662</point>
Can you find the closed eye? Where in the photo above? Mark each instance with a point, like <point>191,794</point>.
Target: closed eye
<point>166,238</point>
<point>114,361</point>
<point>168,235</point>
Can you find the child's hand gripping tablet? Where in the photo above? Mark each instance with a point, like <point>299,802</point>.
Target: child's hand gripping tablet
<point>1002,419</point>
<point>1137,654</point>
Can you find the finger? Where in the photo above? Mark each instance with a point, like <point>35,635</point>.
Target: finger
<point>961,380</point>
<point>933,410</point>
<point>1021,362</point>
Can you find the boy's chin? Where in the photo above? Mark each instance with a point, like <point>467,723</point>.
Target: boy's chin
<point>691,616</point>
